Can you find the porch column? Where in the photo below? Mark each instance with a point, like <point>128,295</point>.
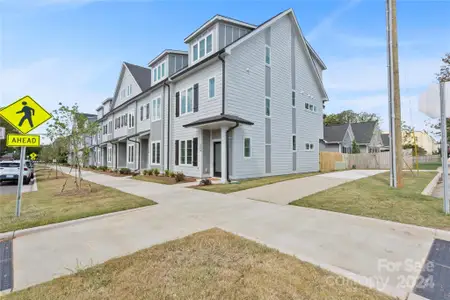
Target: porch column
<point>200,151</point>
<point>223,134</point>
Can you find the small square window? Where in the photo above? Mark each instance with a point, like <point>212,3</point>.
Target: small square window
<point>294,143</point>
<point>195,50</point>
<point>268,107</point>
<point>202,48</point>
<point>209,43</point>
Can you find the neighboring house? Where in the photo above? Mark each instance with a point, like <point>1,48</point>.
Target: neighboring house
<point>337,138</point>
<point>386,142</point>
<point>423,140</point>
<point>243,101</point>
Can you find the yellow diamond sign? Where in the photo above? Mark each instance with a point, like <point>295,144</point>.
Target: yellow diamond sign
<point>33,156</point>
<point>25,114</point>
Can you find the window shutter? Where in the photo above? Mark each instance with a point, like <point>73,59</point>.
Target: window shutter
<point>177,152</point>
<point>196,97</point>
<point>177,104</point>
<point>194,151</point>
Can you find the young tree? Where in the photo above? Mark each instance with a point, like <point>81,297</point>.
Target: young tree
<point>355,147</point>
<point>444,74</point>
<point>73,131</point>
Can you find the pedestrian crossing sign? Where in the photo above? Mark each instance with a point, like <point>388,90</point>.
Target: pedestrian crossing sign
<point>25,114</point>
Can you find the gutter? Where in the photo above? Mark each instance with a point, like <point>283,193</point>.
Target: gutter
<point>228,152</point>
<point>168,125</point>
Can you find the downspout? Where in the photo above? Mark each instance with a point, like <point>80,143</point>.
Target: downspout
<point>223,84</point>
<point>139,151</point>
<point>168,124</point>
<point>228,152</point>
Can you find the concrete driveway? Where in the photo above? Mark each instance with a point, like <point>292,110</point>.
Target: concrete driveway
<point>287,191</point>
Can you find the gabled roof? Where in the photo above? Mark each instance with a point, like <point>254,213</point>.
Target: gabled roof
<point>165,52</point>
<point>335,133</point>
<point>363,131</point>
<point>309,53</point>
<point>142,75</point>
<point>215,19</point>
<point>385,139</point>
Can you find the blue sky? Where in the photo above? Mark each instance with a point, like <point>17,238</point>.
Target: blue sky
<point>71,50</point>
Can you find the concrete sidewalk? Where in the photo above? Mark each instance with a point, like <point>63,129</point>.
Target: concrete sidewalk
<point>287,191</point>
<point>355,247</point>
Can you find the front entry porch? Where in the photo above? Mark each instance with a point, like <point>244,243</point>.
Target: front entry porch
<point>214,144</point>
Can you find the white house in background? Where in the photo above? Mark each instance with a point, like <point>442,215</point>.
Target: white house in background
<point>243,101</point>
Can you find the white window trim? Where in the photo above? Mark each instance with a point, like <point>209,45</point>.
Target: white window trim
<point>197,43</point>
<point>311,111</point>
<point>151,153</point>
<point>243,148</point>
<point>130,123</point>
<point>310,144</point>
<point>209,89</point>
<point>270,55</point>
<point>130,150</point>
<point>109,154</point>
<point>155,78</point>
<point>192,106</point>
<point>179,152</point>
<point>154,113</point>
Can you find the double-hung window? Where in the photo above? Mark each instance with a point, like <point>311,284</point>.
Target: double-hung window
<point>202,48</point>
<point>195,50</point>
<point>212,87</point>
<point>131,120</point>
<point>186,152</point>
<point>156,109</point>
<point>156,152</point>
<point>131,153</point>
<point>209,43</point>
<point>268,58</point>
<point>163,66</point>
<point>247,148</point>
<point>155,73</point>
<point>294,143</point>
<point>186,103</point>
<point>142,113</point>
<point>147,111</point>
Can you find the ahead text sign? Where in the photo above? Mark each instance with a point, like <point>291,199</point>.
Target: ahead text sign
<point>18,140</point>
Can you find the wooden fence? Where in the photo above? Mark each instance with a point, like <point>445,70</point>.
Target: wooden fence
<point>328,160</point>
<point>379,160</point>
<point>427,158</point>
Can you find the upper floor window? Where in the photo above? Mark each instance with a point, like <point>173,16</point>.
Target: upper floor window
<point>142,113</point>
<point>154,74</point>
<point>268,55</point>
<point>212,87</point>
<point>159,71</point>
<point>147,111</point>
<point>310,107</point>
<point>156,109</point>
<point>131,120</point>
<point>202,47</point>
<point>186,101</point>
<point>163,66</point>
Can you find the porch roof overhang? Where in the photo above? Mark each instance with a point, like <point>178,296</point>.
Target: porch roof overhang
<point>147,132</point>
<point>218,121</point>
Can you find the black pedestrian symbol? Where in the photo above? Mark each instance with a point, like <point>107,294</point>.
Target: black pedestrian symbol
<point>28,113</point>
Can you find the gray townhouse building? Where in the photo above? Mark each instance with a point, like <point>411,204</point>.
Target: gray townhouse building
<point>243,101</point>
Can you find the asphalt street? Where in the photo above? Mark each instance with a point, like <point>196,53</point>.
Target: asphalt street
<point>7,188</point>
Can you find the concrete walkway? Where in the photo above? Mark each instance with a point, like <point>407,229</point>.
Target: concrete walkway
<point>287,191</point>
<point>355,247</point>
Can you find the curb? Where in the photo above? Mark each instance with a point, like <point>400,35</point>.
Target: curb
<point>22,232</point>
<point>428,191</point>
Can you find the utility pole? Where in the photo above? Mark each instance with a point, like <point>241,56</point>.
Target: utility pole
<point>397,130</point>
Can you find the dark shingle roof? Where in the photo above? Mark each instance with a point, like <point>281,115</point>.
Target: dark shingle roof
<point>141,75</point>
<point>363,132</point>
<point>334,133</point>
<point>385,139</point>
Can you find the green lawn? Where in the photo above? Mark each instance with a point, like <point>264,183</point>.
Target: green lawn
<point>207,265</point>
<point>48,205</point>
<point>373,197</point>
<point>428,166</point>
<point>251,183</point>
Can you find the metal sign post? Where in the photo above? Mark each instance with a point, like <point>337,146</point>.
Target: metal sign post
<point>444,146</point>
<point>20,181</point>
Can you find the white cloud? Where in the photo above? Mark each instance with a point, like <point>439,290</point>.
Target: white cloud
<point>329,20</point>
<point>52,80</point>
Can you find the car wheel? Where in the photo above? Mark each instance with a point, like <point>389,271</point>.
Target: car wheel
<point>26,181</point>
<point>32,176</point>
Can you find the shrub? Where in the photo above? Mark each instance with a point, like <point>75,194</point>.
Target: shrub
<point>144,172</point>
<point>167,173</point>
<point>93,167</point>
<point>102,168</point>
<point>171,174</point>
<point>150,172</point>
<point>125,171</point>
<point>179,176</point>
<point>156,172</point>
